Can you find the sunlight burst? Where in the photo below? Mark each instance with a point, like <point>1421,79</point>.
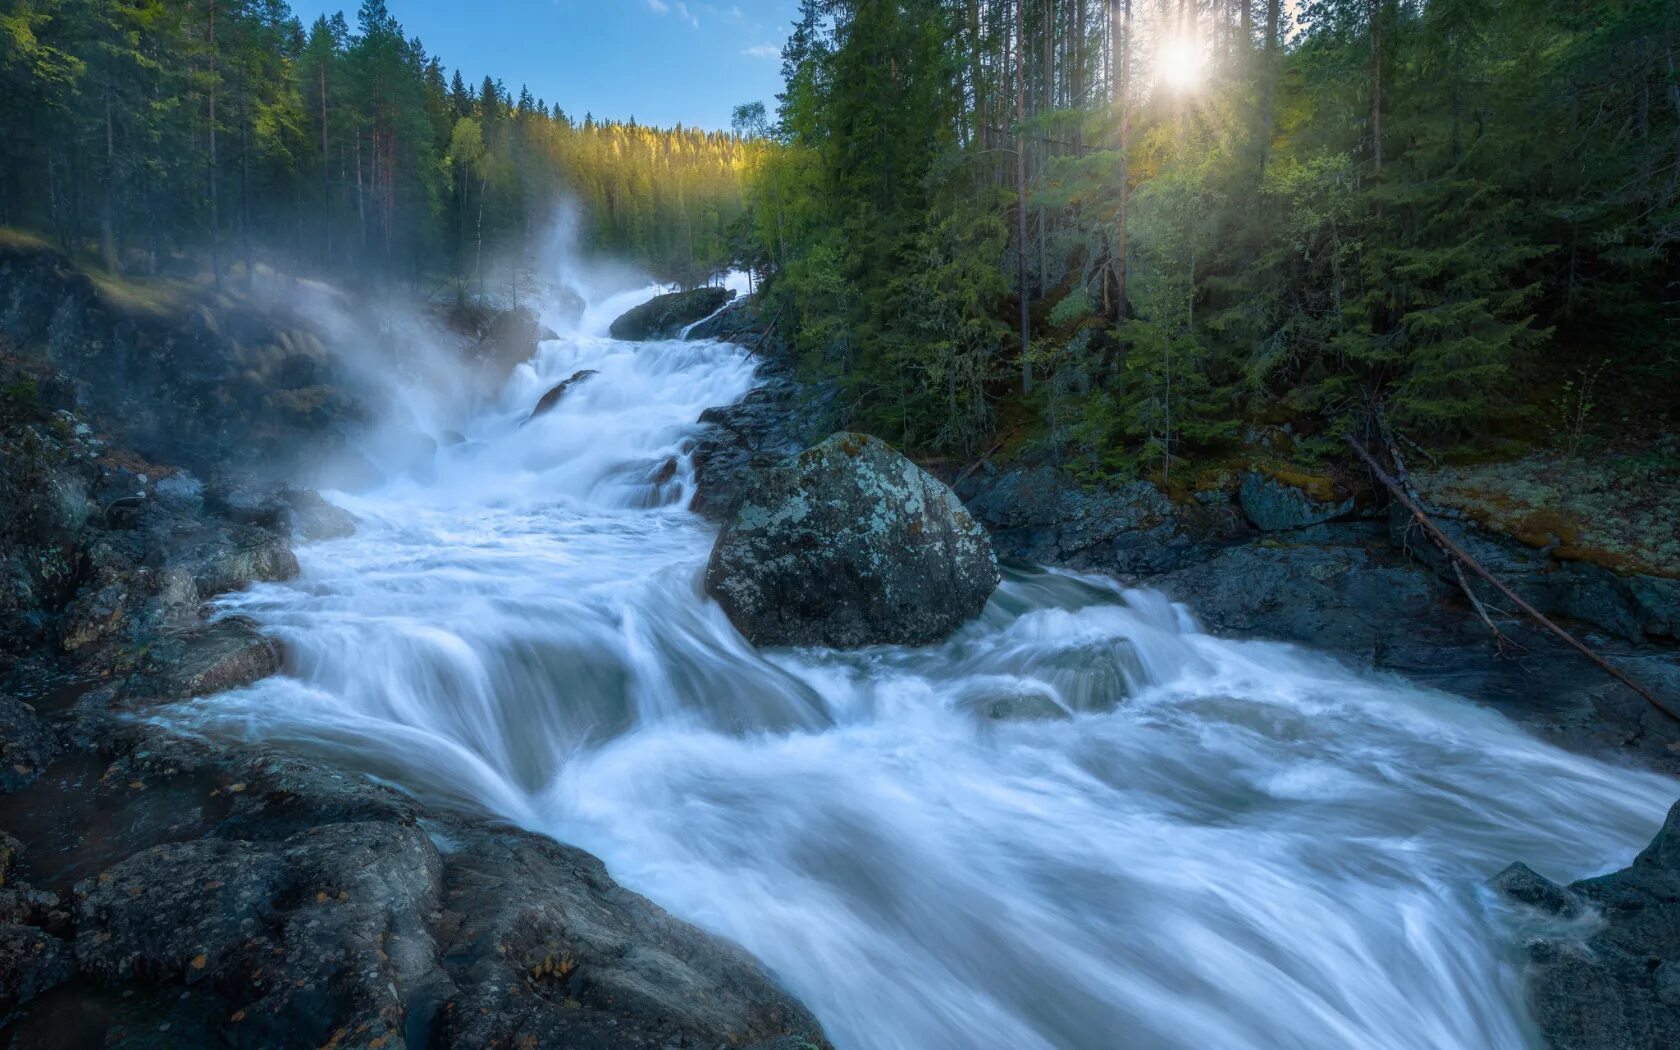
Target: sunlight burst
<point>1181,62</point>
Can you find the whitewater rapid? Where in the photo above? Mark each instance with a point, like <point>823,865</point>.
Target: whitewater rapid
<point>1225,844</point>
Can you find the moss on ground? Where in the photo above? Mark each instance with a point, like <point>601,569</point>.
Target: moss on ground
<point>1617,512</point>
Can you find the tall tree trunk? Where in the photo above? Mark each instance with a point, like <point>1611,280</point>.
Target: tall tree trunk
<point>326,172</point>
<point>1376,88</point>
<point>1120,25</point>
<point>1265,119</point>
<point>215,198</point>
<point>1021,196</point>
<point>483,184</point>
<point>108,208</point>
<point>245,179</point>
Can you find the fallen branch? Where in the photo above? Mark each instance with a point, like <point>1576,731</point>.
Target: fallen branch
<point>972,467</point>
<point>1401,475</point>
<point>756,346</point>
<point>1457,553</point>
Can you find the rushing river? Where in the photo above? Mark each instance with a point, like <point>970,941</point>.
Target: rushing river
<point>1227,844</point>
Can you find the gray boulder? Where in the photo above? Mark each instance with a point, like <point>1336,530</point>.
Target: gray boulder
<point>665,316</point>
<point>1274,505</point>
<point>850,544</point>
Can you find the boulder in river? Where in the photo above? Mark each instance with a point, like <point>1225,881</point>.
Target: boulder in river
<point>552,398</point>
<point>850,544</point>
<point>665,316</point>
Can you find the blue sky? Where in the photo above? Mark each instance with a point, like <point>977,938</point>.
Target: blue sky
<point>660,61</point>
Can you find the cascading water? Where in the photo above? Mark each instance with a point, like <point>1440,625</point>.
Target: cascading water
<point>1226,845</point>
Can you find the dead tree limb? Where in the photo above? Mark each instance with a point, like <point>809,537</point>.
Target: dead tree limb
<point>1457,553</point>
<point>972,467</point>
<point>1403,476</point>
<point>761,339</point>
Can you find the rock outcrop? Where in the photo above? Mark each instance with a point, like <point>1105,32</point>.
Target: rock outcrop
<point>665,316</point>
<point>1619,988</point>
<point>850,544</point>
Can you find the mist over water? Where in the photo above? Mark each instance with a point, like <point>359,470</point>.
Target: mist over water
<point>1224,844</point>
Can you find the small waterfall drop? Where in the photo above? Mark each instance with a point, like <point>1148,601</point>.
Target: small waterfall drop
<point>1209,843</point>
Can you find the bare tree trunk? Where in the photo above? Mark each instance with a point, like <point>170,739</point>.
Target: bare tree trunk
<point>1021,196</point>
<point>483,183</point>
<point>326,176</point>
<point>1120,25</point>
<point>215,200</point>
<point>245,179</point>
<point>1376,88</point>
<point>107,211</point>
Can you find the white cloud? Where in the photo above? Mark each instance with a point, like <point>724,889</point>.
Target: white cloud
<point>677,7</point>
<point>763,51</point>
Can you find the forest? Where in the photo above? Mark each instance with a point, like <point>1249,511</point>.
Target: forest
<point>1128,232</point>
<point>175,136</point>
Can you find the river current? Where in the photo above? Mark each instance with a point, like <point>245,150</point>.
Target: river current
<point>1223,845</point>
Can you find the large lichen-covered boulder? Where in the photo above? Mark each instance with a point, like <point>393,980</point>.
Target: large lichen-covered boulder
<point>665,316</point>
<point>850,544</point>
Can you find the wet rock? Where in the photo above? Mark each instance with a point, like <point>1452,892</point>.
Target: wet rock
<point>1617,990</point>
<point>499,340</point>
<point>663,473</point>
<point>1523,884</point>
<point>314,519</point>
<point>10,850</point>
<point>1022,705</point>
<point>32,962</point>
<point>27,746</point>
<point>223,655</point>
<point>546,404</point>
<point>1275,505</point>
<point>546,950</point>
<point>324,930</point>
<point>665,316</point>
<point>850,544</point>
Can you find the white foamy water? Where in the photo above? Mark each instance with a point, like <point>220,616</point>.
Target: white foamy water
<point>1225,845</point>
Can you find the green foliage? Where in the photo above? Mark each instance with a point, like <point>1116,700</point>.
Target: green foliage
<point>167,134</point>
<point>1256,250</point>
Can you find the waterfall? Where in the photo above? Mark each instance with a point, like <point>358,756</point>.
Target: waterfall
<point>1207,843</point>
